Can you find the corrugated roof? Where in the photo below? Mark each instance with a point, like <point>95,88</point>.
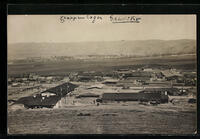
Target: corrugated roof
<point>134,96</point>
<point>62,89</point>
<point>44,101</point>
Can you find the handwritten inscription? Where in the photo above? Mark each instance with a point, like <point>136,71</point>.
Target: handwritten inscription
<point>90,18</point>
<point>124,19</point>
<point>98,18</point>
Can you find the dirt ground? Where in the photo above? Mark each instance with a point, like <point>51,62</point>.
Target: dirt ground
<point>124,118</point>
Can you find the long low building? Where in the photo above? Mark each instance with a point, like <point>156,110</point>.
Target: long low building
<point>168,91</point>
<point>47,98</point>
<point>158,97</point>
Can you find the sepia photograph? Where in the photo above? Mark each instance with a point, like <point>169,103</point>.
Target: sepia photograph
<point>102,74</point>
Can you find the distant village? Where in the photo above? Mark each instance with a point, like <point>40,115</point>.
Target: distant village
<point>77,57</point>
<point>61,58</point>
<point>122,77</point>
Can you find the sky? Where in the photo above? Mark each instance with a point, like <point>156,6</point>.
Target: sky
<point>48,28</point>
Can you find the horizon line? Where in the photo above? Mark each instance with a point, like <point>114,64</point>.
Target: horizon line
<point>103,41</point>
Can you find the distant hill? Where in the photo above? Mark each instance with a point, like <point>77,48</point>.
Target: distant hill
<point>131,48</point>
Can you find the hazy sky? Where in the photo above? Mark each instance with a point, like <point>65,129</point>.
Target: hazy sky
<point>48,28</point>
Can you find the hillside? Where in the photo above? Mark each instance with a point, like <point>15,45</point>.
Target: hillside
<point>133,48</point>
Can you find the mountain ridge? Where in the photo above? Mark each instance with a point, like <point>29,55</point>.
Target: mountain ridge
<point>123,47</point>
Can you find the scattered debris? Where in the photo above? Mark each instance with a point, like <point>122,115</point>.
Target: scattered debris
<point>99,100</point>
<point>84,114</point>
<point>192,100</point>
<point>87,95</point>
<point>109,114</point>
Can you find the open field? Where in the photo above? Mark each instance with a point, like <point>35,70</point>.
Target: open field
<point>124,118</point>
